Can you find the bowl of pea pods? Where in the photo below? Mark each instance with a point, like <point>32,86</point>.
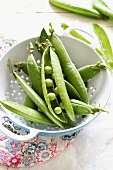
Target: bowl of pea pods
<point>52,86</point>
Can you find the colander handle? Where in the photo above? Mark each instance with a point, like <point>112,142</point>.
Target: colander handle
<point>32,132</point>
<point>93,41</point>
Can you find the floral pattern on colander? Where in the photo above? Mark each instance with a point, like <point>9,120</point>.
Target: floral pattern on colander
<point>37,150</point>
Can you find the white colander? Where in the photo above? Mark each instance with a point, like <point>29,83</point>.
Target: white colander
<point>81,54</point>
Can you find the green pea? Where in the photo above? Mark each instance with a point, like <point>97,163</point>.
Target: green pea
<point>48,70</point>
<point>52,96</point>
<point>62,105</point>
<point>56,90</point>
<point>49,82</point>
<point>58,110</point>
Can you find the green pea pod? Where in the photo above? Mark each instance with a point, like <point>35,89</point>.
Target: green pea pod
<point>90,71</point>
<point>102,7</point>
<point>45,62</point>
<point>71,72</point>
<point>59,80</point>
<point>34,74</point>
<point>26,112</point>
<point>67,5</point>
<point>81,108</point>
<point>107,53</point>
<point>73,94</point>
<point>37,100</point>
<point>29,103</point>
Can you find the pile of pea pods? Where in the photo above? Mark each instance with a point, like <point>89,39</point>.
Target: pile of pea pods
<point>58,91</point>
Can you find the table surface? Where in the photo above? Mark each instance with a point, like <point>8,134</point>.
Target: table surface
<point>93,147</point>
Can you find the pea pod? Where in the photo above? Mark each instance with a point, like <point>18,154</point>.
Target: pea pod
<point>81,108</point>
<point>26,112</point>
<point>73,94</point>
<point>67,5</point>
<point>29,103</point>
<point>49,92</point>
<point>71,72</point>
<point>102,7</point>
<point>34,74</point>
<point>59,80</point>
<point>107,53</point>
<point>37,99</point>
<point>90,71</point>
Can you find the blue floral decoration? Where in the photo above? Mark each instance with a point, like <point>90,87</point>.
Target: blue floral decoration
<point>29,159</point>
<point>13,145</point>
<point>41,145</point>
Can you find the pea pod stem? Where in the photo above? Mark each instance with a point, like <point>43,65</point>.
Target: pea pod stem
<point>102,7</point>
<point>26,112</point>
<point>107,53</point>
<point>67,5</point>
<point>71,72</point>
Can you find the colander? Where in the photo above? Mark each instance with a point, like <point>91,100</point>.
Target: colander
<point>81,54</point>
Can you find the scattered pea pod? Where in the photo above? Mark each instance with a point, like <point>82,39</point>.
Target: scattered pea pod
<point>107,53</point>
<point>67,5</point>
<point>102,7</point>
<point>27,113</point>
<point>48,90</point>
<point>37,100</point>
<point>69,70</point>
<point>59,80</point>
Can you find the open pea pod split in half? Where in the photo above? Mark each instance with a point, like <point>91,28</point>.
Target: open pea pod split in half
<point>52,80</point>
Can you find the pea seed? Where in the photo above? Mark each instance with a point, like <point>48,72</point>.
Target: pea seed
<point>49,82</point>
<point>56,90</point>
<point>48,70</point>
<point>62,105</point>
<point>58,110</point>
<point>52,96</point>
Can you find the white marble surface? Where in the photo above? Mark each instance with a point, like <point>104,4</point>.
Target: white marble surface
<point>93,148</point>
